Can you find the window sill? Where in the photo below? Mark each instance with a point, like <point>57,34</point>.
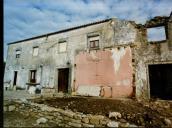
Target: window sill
<point>34,84</point>
<point>94,48</point>
<point>157,42</point>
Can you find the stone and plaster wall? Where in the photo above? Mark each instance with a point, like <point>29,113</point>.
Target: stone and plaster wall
<point>150,53</point>
<point>117,37</point>
<point>113,33</point>
<point>48,57</point>
<point>109,70</point>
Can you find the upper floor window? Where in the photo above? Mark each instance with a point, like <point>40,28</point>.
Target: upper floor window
<point>18,53</point>
<point>93,42</point>
<point>62,46</point>
<point>156,34</point>
<point>35,51</point>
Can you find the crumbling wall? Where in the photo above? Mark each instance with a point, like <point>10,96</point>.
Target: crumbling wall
<point>118,32</point>
<point>150,53</point>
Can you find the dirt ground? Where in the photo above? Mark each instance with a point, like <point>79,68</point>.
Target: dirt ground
<point>149,114</point>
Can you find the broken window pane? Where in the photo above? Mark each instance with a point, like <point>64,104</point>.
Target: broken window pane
<point>35,51</point>
<point>156,34</point>
<point>62,47</point>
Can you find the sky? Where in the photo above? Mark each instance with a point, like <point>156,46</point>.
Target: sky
<point>28,18</point>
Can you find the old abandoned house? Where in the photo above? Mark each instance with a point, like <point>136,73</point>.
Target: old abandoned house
<point>109,58</point>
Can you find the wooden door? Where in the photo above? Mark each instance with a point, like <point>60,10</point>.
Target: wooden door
<point>63,77</point>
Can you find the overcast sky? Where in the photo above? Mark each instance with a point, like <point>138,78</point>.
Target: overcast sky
<point>27,18</point>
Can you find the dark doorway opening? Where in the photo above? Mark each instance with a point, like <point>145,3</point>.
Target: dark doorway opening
<point>160,79</point>
<point>63,80</point>
<point>15,78</point>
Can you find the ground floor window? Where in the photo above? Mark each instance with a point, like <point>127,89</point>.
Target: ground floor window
<point>32,76</point>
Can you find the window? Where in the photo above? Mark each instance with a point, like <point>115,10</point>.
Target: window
<point>93,42</point>
<point>62,46</point>
<point>35,51</point>
<point>32,76</point>
<point>18,52</point>
<point>156,34</point>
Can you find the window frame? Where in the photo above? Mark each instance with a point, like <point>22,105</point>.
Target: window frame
<point>18,54</point>
<point>34,50</point>
<point>157,41</point>
<point>32,76</point>
<point>61,42</point>
<point>92,43</point>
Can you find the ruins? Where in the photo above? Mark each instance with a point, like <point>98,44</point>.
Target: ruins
<point>110,58</point>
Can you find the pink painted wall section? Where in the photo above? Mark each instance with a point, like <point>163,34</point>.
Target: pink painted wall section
<point>110,69</point>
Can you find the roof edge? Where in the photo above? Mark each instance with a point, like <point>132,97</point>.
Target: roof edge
<point>61,31</point>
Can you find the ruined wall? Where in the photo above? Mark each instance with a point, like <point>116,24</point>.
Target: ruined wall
<point>110,70</point>
<point>118,32</point>
<point>150,53</point>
